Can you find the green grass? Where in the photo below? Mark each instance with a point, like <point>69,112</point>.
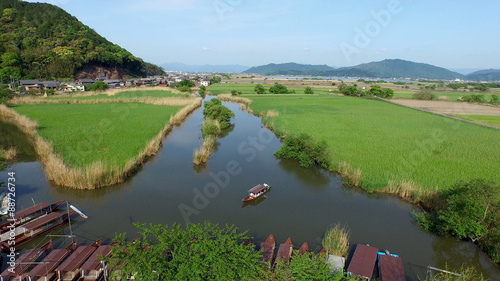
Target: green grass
<point>388,142</point>
<point>493,120</point>
<point>124,95</point>
<point>85,133</point>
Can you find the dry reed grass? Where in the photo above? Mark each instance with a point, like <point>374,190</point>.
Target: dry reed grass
<point>229,97</point>
<point>415,193</point>
<point>336,241</point>
<point>349,174</point>
<point>10,154</point>
<point>202,154</point>
<point>98,174</point>
<point>272,113</point>
<point>112,92</point>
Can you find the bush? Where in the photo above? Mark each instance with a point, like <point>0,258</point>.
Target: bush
<point>306,150</point>
<point>473,98</point>
<point>424,95</point>
<point>210,127</point>
<point>185,89</point>
<point>378,91</point>
<point>97,86</point>
<point>259,89</point>
<point>308,91</point>
<point>5,94</point>
<point>278,89</point>
<point>494,99</point>
<point>185,82</point>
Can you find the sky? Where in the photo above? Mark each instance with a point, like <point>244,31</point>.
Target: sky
<point>455,34</point>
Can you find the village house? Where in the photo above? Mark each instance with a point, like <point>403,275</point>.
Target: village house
<point>204,82</point>
<point>48,85</point>
<point>73,87</point>
<point>30,84</point>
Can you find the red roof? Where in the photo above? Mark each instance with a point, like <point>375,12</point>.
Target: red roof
<point>49,263</point>
<point>76,259</point>
<point>363,261</point>
<point>257,188</point>
<point>94,263</point>
<point>31,210</point>
<point>391,268</point>
<point>285,251</point>
<point>24,262</point>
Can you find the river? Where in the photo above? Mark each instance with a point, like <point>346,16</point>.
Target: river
<point>302,204</point>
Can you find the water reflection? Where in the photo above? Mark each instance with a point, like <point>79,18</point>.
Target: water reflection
<point>255,202</point>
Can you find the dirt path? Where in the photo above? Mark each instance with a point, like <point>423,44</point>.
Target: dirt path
<point>450,108</point>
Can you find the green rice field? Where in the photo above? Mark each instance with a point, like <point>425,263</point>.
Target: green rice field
<point>111,132</point>
<point>124,95</point>
<point>439,95</point>
<point>493,120</point>
<point>388,142</point>
<point>249,89</point>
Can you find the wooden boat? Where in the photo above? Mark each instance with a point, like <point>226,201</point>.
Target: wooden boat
<point>256,191</point>
<point>92,268</point>
<point>284,251</point>
<point>35,228</point>
<point>390,267</point>
<point>28,214</point>
<point>70,268</point>
<point>24,262</point>
<point>44,271</point>
<point>304,248</point>
<point>322,253</point>
<point>363,262</point>
<point>268,248</point>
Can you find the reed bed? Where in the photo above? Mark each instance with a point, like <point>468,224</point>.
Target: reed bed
<point>202,154</point>
<point>336,241</point>
<point>98,173</point>
<point>230,98</point>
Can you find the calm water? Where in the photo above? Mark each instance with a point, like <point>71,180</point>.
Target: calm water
<point>302,204</point>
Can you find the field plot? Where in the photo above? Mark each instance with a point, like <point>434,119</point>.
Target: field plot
<point>451,108</point>
<point>248,88</point>
<point>493,120</point>
<point>86,133</point>
<point>387,142</point>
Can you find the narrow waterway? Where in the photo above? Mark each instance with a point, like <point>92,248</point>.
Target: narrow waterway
<point>302,204</point>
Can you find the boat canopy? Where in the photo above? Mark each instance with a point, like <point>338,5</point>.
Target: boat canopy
<point>42,221</point>
<point>31,210</point>
<point>256,189</point>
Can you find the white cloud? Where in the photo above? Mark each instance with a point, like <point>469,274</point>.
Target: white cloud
<point>307,49</point>
<point>205,48</point>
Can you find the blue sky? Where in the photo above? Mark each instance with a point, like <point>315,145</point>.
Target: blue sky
<point>452,34</point>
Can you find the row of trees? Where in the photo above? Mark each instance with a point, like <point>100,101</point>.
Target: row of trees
<point>279,89</point>
<point>375,90</point>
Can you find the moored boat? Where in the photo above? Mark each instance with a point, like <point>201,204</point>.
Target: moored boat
<point>390,267</point>
<point>256,191</point>
<point>70,268</point>
<point>92,269</point>
<point>304,248</point>
<point>28,214</point>
<point>35,228</point>
<point>24,262</point>
<point>284,251</point>
<point>268,248</point>
<point>363,262</point>
<point>44,271</point>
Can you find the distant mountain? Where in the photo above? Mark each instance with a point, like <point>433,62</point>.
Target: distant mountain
<point>178,66</point>
<point>484,75</point>
<point>290,69</point>
<point>43,41</point>
<point>465,71</point>
<point>396,68</point>
<point>393,68</point>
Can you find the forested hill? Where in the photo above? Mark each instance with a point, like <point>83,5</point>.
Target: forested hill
<point>43,41</point>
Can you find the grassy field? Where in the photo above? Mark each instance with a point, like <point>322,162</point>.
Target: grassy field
<point>387,143</point>
<point>85,133</point>
<point>493,120</point>
<point>123,95</point>
<point>439,95</point>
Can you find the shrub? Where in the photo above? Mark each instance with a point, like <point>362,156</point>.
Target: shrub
<point>97,86</point>
<point>473,98</point>
<point>308,91</point>
<point>306,150</point>
<point>494,99</point>
<point>185,89</point>
<point>278,89</point>
<point>259,89</point>
<point>424,95</point>
<point>215,110</point>
<point>210,127</point>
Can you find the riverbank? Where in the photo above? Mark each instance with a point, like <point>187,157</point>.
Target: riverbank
<point>72,143</point>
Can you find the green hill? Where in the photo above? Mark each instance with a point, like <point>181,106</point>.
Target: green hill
<point>484,75</point>
<point>289,69</point>
<point>396,68</point>
<point>43,41</point>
